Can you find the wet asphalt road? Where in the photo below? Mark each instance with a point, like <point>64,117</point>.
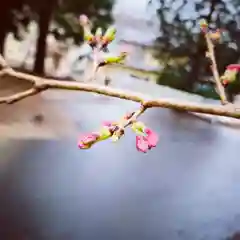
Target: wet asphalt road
<point>187,188</point>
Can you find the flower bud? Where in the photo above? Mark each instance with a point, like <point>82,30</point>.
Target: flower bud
<point>229,76</point>
<point>138,128</point>
<point>104,133</point>
<point>234,67</point>
<point>83,19</point>
<point>117,134</point>
<point>203,25</point>
<point>86,141</point>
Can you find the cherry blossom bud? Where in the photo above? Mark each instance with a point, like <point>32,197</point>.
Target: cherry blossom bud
<point>83,19</point>
<point>152,137</point>
<point>146,139</point>
<point>142,144</point>
<point>105,133</point>
<point>138,128</point>
<point>203,25</point>
<point>86,141</point>
<point>234,67</point>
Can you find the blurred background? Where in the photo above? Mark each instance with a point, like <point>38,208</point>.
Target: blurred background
<point>185,188</point>
<point>163,35</point>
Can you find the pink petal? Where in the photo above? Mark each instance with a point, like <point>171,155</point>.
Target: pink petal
<point>152,137</point>
<point>85,141</point>
<point>83,19</point>
<point>90,138</point>
<point>81,145</point>
<point>142,144</point>
<point>234,67</point>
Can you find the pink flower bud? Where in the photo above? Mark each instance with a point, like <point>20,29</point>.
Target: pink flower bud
<point>83,19</point>
<point>152,137</point>
<point>225,82</point>
<point>142,144</point>
<point>86,141</point>
<point>234,67</point>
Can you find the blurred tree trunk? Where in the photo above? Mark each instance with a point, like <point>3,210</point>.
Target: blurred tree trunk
<point>45,17</point>
<point>2,37</point>
<point>4,13</point>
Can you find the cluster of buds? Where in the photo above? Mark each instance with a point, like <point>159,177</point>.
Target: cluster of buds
<point>214,35</point>
<point>100,41</point>
<point>97,40</point>
<point>230,74</point>
<point>146,139</point>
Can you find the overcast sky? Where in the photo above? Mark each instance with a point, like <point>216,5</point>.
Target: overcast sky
<point>138,7</point>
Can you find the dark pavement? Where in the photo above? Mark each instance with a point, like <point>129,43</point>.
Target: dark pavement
<point>186,188</point>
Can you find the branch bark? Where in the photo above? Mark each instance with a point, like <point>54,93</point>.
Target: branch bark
<point>219,86</point>
<point>42,84</point>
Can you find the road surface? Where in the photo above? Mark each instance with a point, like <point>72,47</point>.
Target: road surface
<point>186,188</point>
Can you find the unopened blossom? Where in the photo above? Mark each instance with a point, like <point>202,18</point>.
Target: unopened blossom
<point>146,138</point>
<point>230,75</point>
<point>98,35</point>
<point>89,38</point>
<point>142,144</point>
<point>86,141</point>
<point>83,19</point>
<point>152,137</point>
<point>112,59</point>
<point>234,67</point>
<point>106,132</point>
<point>108,37</point>
<point>138,128</point>
<point>145,143</point>
<point>203,25</point>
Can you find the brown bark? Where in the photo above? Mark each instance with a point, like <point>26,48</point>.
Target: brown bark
<point>45,16</point>
<point>4,13</point>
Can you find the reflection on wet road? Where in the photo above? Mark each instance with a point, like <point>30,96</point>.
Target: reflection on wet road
<point>186,188</point>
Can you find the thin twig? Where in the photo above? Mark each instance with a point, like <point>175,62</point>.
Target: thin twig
<point>19,96</point>
<point>125,122</point>
<point>95,67</point>
<point>3,62</point>
<point>211,55</point>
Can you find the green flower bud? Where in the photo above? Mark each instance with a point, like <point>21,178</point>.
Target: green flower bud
<point>104,133</point>
<point>138,128</point>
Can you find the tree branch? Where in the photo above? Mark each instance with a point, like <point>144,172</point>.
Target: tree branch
<point>211,55</point>
<point>42,84</point>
